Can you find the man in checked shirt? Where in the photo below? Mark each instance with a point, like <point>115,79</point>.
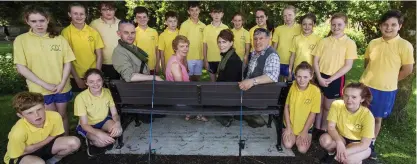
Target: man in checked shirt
<point>263,68</point>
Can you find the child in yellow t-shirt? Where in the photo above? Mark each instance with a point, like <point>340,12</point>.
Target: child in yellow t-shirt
<point>37,135</point>
<point>242,38</point>
<point>99,121</point>
<point>303,44</point>
<point>333,58</point>
<point>165,39</point>
<point>351,126</point>
<point>301,106</point>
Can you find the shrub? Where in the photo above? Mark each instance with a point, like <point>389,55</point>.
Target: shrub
<point>10,80</point>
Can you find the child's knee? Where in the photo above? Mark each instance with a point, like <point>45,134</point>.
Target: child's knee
<point>74,143</point>
<point>29,159</point>
<point>288,144</point>
<point>302,149</point>
<point>325,140</point>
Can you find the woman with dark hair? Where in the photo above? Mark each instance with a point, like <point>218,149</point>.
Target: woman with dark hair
<point>44,58</point>
<point>230,66</point>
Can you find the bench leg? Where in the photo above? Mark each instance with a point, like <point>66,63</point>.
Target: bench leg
<point>278,127</point>
<point>269,121</point>
<point>120,143</point>
<point>137,120</point>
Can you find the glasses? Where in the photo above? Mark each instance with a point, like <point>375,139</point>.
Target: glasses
<point>260,17</point>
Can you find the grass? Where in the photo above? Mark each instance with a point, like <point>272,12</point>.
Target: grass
<point>396,142</point>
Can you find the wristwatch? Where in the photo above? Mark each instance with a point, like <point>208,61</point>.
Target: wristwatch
<point>255,82</point>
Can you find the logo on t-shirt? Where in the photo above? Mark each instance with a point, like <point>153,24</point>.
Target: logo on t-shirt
<point>358,127</point>
<point>55,47</point>
<point>201,29</point>
<point>307,101</point>
<point>90,39</point>
<point>152,37</point>
<point>311,47</point>
<point>242,37</point>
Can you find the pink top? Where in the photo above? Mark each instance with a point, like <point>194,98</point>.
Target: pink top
<point>168,73</point>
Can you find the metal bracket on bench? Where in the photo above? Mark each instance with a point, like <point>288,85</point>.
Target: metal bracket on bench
<point>199,93</point>
<point>241,147</point>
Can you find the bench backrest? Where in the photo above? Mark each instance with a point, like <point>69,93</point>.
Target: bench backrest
<point>196,93</point>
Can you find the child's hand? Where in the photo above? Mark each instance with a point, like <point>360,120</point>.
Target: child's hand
<point>104,138</point>
<point>59,88</point>
<point>340,152</point>
<point>50,87</point>
<point>322,82</point>
<point>304,138</point>
<point>116,130</point>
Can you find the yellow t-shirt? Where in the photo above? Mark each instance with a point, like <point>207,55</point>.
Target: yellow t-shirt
<point>353,126</point>
<point>302,103</point>
<point>241,39</point>
<point>45,57</point>
<point>302,46</point>
<point>96,108</point>
<point>385,61</point>
<point>147,40</point>
<point>333,53</point>
<point>108,33</point>
<point>194,33</point>
<point>251,32</point>
<point>283,35</point>
<point>83,42</point>
<point>24,134</point>
<point>165,43</point>
<point>210,34</point>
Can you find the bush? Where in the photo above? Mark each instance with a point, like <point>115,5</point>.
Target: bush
<point>356,35</point>
<point>10,80</point>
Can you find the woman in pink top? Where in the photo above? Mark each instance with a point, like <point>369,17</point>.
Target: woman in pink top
<point>176,70</point>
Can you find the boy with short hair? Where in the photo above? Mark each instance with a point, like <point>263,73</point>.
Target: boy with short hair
<point>211,50</point>
<point>193,28</point>
<point>36,136</point>
<point>147,38</point>
<point>166,38</point>
<point>282,39</point>
<point>388,59</point>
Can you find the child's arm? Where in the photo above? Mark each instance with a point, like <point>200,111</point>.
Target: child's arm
<point>275,45</point>
<point>66,71</point>
<point>292,58</point>
<point>247,51</point>
<point>158,60</point>
<point>162,57</point>
<point>317,71</point>
<point>99,57</point>
<point>78,80</point>
<point>32,148</point>
<point>88,128</point>
<point>342,71</point>
<point>206,66</point>
<point>359,147</point>
<point>28,74</point>
<point>287,117</point>
<point>405,71</point>
<point>116,130</point>
<point>309,122</point>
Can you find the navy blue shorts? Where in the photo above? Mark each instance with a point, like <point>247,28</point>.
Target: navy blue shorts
<point>58,98</point>
<point>382,102</point>
<point>44,153</point>
<point>284,70</point>
<point>349,141</point>
<point>99,125</point>
<point>335,89</point>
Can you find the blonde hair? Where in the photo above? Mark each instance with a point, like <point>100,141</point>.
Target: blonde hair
<point>290,7</point>
<point>179,39</point>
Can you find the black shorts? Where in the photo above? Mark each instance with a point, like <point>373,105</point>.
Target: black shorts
<point>335,89</point>
<point>213,67</point>
<point>44,152</point>
<point>74,86</point>
<point>109,72</point>
<point>349,141</point>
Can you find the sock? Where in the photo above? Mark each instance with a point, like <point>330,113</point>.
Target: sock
<point>53,160</point>
<point>373,141</point>
<point>331,153</point>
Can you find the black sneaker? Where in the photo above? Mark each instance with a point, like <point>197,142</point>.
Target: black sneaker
<point>373,155</point>
<point>327,159</point>
<point>224,120</point>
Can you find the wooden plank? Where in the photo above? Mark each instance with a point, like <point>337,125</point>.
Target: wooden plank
<point>236,95</point>
<point>159,101</point>
<point>134,93</point>
<point>236,102</point>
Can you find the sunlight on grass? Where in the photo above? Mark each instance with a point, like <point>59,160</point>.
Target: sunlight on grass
<point>396,155</point>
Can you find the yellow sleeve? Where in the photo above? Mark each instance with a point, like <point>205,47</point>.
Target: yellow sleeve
<point>317,51</point>
<point>316,101</point>
<point>368,125</point>
<point>80,108</point>
<point>406,55</point>
<point>287,102</point>
<point>58,125</point>
<point>18,52</point>
<point>333,113</point>
<point>247,37</point>
<point>293,45</point>
<point>93,24</point>
<point>368,50</point>
<point>275,37</point>
<point>184,30</point>
<point>351,51</point>
<point>205,34</point>
<point>98,42</point>
<point>17,143</point>
<point>65,34</point>
<point>161,42</point>
<point>68,53</point>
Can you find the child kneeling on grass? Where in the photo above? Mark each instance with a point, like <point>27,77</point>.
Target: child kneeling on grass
<point>302,104</point>
<point>37,135</point>
<point>350,126</point>
<point>92,106</point>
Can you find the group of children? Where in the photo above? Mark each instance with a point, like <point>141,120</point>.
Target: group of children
<point>83,53</point>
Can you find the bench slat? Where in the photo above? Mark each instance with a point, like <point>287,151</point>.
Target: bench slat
<point>159,101</point>
<point>158,94</point>
<point>236,102</point>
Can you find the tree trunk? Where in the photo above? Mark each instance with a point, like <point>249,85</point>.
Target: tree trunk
<point>405,87</point>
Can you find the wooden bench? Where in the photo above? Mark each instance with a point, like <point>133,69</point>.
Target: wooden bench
<point>206,98</point>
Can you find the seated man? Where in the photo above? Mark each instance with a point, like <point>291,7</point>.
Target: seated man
<point>263,68</point>
<point>37,135</point>
<point>128,60</point>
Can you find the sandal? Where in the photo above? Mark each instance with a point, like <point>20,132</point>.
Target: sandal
<point>201,118</point>
<point>187,117</point>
